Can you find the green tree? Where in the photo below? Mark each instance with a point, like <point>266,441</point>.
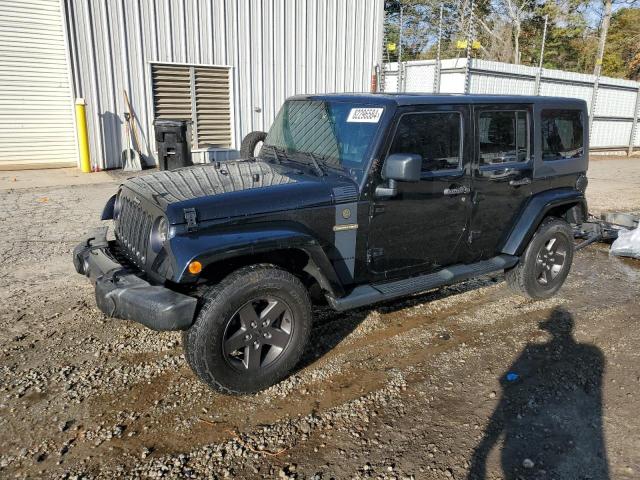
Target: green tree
<point>622,52</point>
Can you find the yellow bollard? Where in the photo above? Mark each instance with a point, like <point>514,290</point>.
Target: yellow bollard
<point>83,137</point>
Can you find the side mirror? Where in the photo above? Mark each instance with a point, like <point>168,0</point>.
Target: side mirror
<point>403,167</point>
<point>399,167</point>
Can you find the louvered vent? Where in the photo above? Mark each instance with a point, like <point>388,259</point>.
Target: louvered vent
<point>201,95</point>
<point>172,92</point>
<point>213,106</point>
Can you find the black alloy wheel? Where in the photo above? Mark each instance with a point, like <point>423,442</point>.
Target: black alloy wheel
<point>258,333</point>
<point>544,265</point>
<point>551,259</point>
<point>251,330</point>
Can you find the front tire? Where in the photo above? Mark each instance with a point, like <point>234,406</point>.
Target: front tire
<point>546,262</point>
<point>251,331</point>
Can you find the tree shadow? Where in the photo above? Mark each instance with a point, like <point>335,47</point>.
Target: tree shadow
<point>549,418</point>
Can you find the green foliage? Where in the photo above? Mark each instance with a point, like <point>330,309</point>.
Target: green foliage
<point>622,53</point>
<point>572,34</point>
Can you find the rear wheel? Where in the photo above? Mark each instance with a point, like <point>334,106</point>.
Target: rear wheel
<point>251,331</point>
<point>546,262</point>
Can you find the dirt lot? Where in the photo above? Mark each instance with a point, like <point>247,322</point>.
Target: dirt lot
<point>418,388</point>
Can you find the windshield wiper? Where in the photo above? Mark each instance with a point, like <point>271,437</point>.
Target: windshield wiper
<point>276,152</point>
<point>280,153</point>
<point>314,158</point>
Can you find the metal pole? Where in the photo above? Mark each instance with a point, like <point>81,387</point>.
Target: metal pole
<point>467,78</point>
<point>544,39</point>
<point>400,72</point>
<point>436,74</point>
<point>598,68</point>
<point>634,125</point>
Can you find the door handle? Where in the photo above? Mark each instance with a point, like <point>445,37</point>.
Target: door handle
<point>520,181</point>
<point>462,190</point>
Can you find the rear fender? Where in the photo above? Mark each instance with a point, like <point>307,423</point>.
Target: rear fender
<point>569,203</point>
<point>212,247</point>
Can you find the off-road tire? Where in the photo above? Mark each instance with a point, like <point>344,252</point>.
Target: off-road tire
<point>523,279</point>
<point>249,143</point>
<point>203,342</point>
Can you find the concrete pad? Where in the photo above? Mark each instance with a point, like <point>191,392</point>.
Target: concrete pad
<point>61,177</point>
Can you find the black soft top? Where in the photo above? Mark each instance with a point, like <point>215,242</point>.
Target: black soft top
<point>401,99</point>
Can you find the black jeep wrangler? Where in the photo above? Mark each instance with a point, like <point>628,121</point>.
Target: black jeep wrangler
<point>356,199</point>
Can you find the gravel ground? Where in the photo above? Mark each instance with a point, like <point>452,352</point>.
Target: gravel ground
<point>464,382</point>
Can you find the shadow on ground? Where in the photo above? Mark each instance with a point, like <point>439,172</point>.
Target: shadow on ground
<point>548,422</point>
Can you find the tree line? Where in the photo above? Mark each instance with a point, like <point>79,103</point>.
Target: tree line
<point>581,35</point>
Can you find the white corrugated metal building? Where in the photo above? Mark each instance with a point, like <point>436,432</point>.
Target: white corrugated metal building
<point>225,65</point>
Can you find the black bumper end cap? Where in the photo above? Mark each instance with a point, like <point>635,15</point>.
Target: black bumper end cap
<point>153,306</point>
<point>120,293</point>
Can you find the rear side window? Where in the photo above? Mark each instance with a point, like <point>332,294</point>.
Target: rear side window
<point>504,136</point>
<point>436,136</point>
<point>562,134</point>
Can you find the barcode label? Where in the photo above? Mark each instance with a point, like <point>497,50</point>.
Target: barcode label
<point>365,115</point>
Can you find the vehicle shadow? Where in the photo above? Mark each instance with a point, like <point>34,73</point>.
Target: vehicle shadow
<point>330,328</point>
<point>548,422</point>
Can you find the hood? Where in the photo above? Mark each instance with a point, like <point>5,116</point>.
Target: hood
<point>236,189</point>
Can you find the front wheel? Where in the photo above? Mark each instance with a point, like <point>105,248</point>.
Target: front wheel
<point>546,262</point>
<point>251,330</point>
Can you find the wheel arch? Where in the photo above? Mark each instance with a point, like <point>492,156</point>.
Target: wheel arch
<point>295,251</point>
<point>569,204</point>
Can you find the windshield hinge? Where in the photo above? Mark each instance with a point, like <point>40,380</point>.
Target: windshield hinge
<point>191,217</point>
<point>373,254</point>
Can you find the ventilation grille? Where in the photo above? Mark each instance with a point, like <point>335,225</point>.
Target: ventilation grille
<point>172,92</point>
<point>346,193</point>
<point>213,106</point>
<point>200,95</point>
<point>133,228</point>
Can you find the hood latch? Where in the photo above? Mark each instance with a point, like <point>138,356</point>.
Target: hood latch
<point>191,217</point>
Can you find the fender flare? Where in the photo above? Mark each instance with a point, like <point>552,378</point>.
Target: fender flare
<point>107,211</point>
<point>535,211</point>
<point>238,241</point>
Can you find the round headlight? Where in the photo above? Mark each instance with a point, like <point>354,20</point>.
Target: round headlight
<point>159,233</point>
<point>163,230</point>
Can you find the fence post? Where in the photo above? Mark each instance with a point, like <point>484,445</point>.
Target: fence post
<point>436,73</point>
<point>634,125</point>
<point>467,77</point>
<point>544,39</point>
<point>594,101</point>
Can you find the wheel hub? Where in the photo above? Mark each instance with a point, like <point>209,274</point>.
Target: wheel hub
<point>550,260</point>
<point>257,333</point>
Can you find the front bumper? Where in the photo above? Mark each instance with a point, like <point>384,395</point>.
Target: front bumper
<point>122,294</point>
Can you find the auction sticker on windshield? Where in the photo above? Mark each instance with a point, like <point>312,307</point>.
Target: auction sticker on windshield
<point>365,115</point>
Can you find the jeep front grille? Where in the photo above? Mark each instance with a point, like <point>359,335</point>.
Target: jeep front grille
<point>133,227</point>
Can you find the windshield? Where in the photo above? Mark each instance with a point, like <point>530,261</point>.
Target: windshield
<point>334,134</point>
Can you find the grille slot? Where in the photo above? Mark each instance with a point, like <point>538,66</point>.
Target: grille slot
<point>133,228</point>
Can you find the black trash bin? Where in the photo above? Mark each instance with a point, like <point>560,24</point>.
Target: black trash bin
<point>172,142</point>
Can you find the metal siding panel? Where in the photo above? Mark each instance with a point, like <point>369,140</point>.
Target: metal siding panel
<point>615,102</point>
<point>608,133</point>
<point>275,49</point>
<point>419,78</point>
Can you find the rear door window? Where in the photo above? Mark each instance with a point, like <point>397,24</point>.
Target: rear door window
<point>504,136</point>
<point>562,134</point>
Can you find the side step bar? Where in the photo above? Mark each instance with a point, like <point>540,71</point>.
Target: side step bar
<point>380,292</point>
